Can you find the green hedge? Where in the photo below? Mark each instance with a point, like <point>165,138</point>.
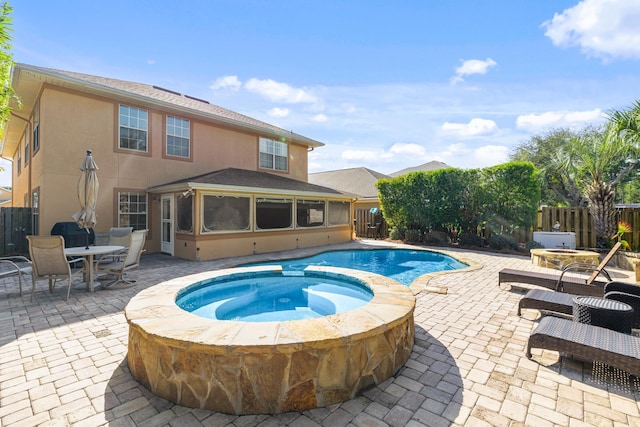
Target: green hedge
<point>502,198</point>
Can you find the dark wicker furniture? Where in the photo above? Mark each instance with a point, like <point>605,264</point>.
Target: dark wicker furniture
<point>558,302</point>
<point>562,282</point>
<point>603,312</point>
<point>588,342</point>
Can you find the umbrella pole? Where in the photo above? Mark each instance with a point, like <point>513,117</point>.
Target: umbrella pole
<point>87,237</point>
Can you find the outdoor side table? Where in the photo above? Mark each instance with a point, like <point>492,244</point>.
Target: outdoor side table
<point>603,312</point>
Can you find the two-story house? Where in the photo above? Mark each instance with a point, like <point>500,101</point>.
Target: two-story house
<point>205,181</point>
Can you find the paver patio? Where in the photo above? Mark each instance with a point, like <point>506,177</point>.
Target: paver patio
<point>64,363</point>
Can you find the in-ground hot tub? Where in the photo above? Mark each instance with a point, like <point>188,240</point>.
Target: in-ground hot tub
<point>240,367</point>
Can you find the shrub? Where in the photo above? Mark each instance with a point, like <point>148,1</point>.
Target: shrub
<point>436,238</point>
<point>533,245</point>
<point>412,236</point>
<point>470,239</point>
<point>396,234</point>
<point>502,241</point>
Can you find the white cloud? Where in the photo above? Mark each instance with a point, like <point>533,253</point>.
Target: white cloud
<point>280,92</point>
<point>490,155</point>
<point>472,66</point>
<point>278,112</point>
<point>320,118</point>
<point>604,29</point>
<point>407,149</point>
<point>151,61</point>
<point>476,127</point>
<point>462,156</point>
<point>550,119</point>
<point>226,82</point>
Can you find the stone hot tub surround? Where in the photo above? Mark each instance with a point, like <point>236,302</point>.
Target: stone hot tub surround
<point>268,367</point>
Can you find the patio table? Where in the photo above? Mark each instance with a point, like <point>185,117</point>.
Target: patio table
<point>90,253</point>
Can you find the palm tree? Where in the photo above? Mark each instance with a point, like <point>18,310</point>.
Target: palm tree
<point>602,160</point>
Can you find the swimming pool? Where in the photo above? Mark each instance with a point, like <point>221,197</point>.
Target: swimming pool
<point>403,265</point>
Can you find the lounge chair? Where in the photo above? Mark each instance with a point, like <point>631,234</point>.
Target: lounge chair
<point>562,303</point>
<point>563,282</point>
<point>587,342</point>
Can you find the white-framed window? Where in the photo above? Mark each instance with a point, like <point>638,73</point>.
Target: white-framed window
<point>273,154</point>
<point>273,213</point>
<point>178,137</point>
<point>134,128</point>
<point>225,213</point>
<point>132,210</point>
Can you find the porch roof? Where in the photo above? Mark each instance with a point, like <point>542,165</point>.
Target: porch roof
<point>247,181</point>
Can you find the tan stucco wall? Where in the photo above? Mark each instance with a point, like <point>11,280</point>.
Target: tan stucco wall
<point>240,244</point>
<point>72,122</point>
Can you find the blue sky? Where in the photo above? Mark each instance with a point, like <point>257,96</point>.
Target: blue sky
<point>385,85</point>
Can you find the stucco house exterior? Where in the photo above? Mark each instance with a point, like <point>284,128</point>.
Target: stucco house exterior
<point>205,181</point>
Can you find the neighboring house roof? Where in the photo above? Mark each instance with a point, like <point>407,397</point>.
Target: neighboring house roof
<point>358,181</point>
<point>27,80</point>
<point>429,166</point>
<point>231,179</point>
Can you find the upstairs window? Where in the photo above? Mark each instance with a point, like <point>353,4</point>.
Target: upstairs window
<point>178,137</point>
<point>134,127</point>
<point>273,154</point>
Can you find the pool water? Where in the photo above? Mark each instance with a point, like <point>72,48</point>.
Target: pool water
<point>403,265</point>
<point>273,297</point>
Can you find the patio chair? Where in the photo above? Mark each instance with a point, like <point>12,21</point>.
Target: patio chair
<point>49,261</point>
<point>563,282</point>
<point>126,261</point>
<point>562,303</point>
<point>120,236</point>
<point>15,266</point>
<point>588,342</point>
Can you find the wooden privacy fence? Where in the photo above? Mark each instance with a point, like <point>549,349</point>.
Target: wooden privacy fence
<point>578,220</point>
<point>365,224</point>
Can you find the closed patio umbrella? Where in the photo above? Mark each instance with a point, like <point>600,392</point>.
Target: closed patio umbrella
<point>87,194</point>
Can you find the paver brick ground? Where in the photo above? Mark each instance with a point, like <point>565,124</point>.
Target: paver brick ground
<point>64,362</point>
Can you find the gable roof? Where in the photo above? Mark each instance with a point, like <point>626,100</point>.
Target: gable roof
<point>358,181</point>
<point>429,166</point>
<point>28,79</point>
<point>232,179</point>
